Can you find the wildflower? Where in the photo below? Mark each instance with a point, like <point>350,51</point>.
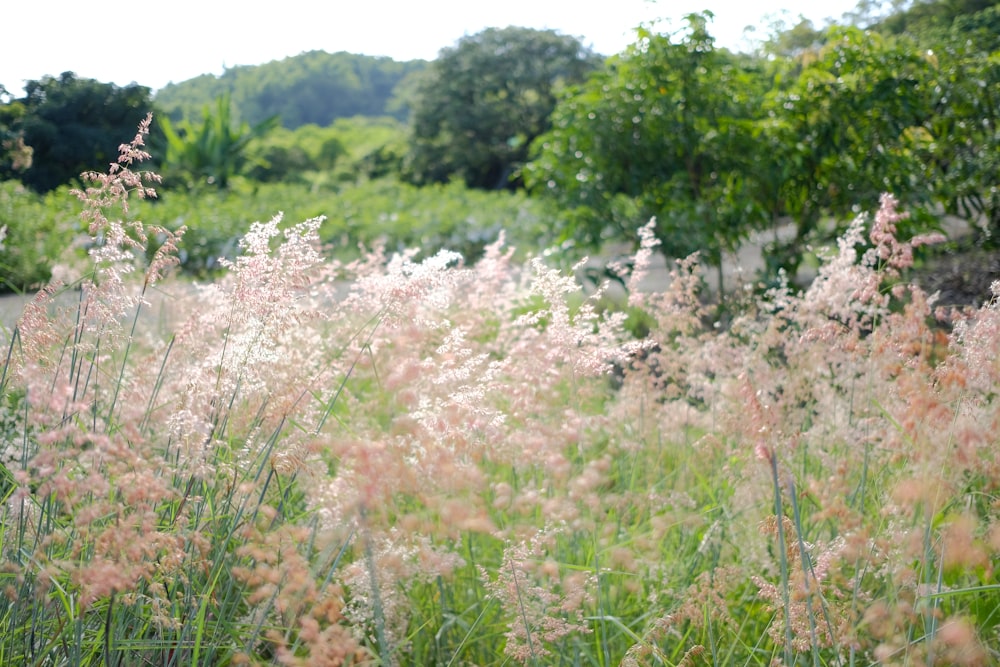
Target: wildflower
<point>640,266</point>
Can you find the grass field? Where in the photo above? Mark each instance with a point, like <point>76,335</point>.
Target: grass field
<point>423,461</point>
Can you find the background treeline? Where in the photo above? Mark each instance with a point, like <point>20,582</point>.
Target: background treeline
<point>312,88</point>
<point>803,133</point>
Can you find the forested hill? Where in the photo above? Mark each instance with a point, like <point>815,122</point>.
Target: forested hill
<point>313,87</point>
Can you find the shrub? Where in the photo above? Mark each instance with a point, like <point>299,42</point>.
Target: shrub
<point>38,229</point>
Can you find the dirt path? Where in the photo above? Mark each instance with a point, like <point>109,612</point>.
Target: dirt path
<point>12,305</point>
<point>737,269</point>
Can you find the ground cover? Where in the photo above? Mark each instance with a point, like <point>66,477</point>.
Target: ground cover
<point>405,460</point>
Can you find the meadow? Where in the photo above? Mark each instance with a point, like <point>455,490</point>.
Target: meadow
<point>419,459</point>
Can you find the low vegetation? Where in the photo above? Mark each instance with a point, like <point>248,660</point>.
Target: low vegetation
<point>44,228</point>
<point>403,460</point>
<point>296,410</point>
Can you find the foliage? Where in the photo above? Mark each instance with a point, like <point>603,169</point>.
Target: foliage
<point>38,230</point>
<point>402,462</point>
<point>665,131</point>
<point>981,30</point>
<point>385,211</point>
<point>482,102</point>
<point>962,146</point>
<point>922,16</point>
<point>374,147</point>
<point>15,155</point>
<point>42,232</point>
<point>71,124</point>
<point>792,42</point>
<point>286,155</point>
<point>348,151</point>
<point>213,152</point>
<point>715,145</point>
<point>314,87</point>
<point>436,217</point>
<point>883,85</point>
<point>283,162</point>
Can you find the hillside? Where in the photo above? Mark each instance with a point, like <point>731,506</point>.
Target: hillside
<point>313,87</point>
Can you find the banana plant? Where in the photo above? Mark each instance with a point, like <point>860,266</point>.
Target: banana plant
<point>215,150</point>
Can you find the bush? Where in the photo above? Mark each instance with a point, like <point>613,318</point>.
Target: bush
<point>39,228</point>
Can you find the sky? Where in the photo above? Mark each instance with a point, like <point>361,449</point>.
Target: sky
<point>157,43</point>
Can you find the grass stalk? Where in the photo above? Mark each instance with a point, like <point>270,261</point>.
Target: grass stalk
<point>782,560</point>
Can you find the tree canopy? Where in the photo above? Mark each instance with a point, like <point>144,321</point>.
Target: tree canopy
<point>716,145</point>
<point>665,130</point>
<point>481,103</point>
<point>848,126</point>
<point>313,87</point>
<point>73,125</point>
<point>921,16</point>
<point>15,155</point>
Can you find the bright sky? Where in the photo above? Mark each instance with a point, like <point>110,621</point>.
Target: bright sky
<point>158,43</point>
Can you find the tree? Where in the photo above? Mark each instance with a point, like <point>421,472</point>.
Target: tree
<point>666,131</point>
<point>365,148</point>
<point>15,155</point>
<point>792,42</point>
<point>917,16</point>
<point>848,128</point>
<point>959,141</point>
<point>482,102</point>
<point>214,151</point>
<point>963,135</point>
<point>74,125</point>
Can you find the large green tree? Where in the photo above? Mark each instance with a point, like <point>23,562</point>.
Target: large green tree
<point>959,141</point>
<point>74,125</point>
<point>716,145</point>
<point>963,134</point>
<point>667,130</point>
<point>482,102</point>
<point>920,16</point>
<point>847,128</point>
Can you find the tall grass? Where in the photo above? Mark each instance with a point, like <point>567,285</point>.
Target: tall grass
<point>401,462</point>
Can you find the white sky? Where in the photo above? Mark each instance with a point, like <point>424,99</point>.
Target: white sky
<point>175,40</point>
